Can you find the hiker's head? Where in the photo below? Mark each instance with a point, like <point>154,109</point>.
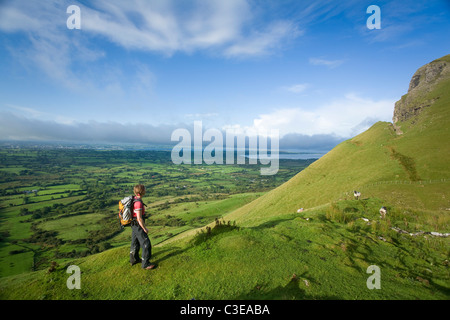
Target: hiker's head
<point>139,189</point>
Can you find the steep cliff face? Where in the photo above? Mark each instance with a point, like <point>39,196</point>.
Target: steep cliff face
<point>417,99</point>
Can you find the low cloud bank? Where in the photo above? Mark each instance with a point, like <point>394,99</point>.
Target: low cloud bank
<point>18,128</point>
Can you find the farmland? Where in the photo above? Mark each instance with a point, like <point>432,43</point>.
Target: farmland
<point>61,203</point>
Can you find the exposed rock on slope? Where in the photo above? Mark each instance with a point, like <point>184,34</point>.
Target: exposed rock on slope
<point>422,82</point>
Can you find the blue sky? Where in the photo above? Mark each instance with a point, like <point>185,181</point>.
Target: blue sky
<point>137,70</point>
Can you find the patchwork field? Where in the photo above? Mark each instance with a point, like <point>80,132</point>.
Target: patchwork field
<point>58,204</point>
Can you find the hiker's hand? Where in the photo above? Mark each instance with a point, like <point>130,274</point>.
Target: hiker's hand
<point>145,230</point>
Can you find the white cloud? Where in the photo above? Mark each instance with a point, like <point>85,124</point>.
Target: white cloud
<point>133,25</point>
<point>225,28</point>
<point>164,27</point>
<point>159,26</point>
<point>33,125</point>
<point>13,19</point>
<point>214,23</point>
<point>319,128</point>
<point>343,117</point>
<point>261,42</point>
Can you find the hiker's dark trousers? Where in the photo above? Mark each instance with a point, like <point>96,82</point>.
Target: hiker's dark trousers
<point>139,239</point>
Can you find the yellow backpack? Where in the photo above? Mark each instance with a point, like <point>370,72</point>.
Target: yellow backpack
<point>126,207</point>
<point>126,211</point>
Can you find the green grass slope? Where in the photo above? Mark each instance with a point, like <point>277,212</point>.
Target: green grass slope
<point>324,252</point>
<point>410,170</point>
<point>324,257</point>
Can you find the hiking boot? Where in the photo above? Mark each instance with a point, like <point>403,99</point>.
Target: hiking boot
<point>135,262</point>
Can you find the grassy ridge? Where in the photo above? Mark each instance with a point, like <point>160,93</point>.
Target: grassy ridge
<point>323,254</point>
<point>349,166</point>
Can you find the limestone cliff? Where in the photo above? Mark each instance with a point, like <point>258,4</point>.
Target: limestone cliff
<point>423,81</point>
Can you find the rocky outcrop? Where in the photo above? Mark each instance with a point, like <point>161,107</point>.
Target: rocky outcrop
<point>422,82</point>
<point>427,74</point>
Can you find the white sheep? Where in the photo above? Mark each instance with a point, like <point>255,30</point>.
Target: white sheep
<point>383,212</point>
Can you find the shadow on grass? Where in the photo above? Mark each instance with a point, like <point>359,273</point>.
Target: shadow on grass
<point>295,289</point>
<point>165,254</point>
<point>271,223</point>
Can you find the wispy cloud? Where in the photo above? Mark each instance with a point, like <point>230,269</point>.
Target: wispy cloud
<point>47,49</point>
<point>160,26</point>
<point>263,42</point>
<point>168,27</point>
<point>296,88</point>
<point>33,113</point>
<point>225,28</point>
<point>325,62</point>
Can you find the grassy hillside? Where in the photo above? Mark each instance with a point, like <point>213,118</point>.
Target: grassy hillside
<point>410,170</point>
<point>266,250</point>
<point>324,257</point>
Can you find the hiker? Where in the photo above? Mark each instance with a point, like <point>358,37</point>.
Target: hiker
<point>139,237</point>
